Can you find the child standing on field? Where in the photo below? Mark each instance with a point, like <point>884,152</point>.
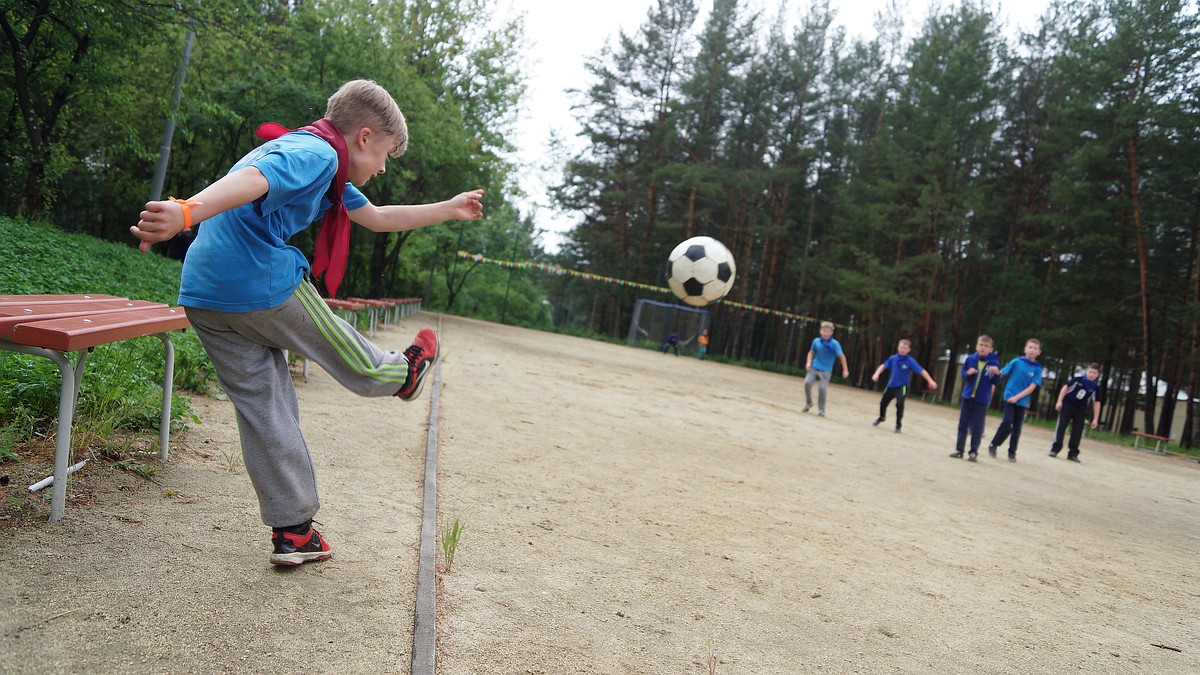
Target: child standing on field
<point>1074,400</point>
<point>902,367</point>
<point>825,351</point>
<point>980,371</point>
<point>703,342</point>
<point>1024,376</point>
<point>671,343</point>
<point>249,296</point>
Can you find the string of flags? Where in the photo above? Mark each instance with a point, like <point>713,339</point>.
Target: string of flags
<point>562,271</point>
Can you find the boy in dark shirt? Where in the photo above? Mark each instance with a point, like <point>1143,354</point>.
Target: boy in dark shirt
<point>1074,399</point>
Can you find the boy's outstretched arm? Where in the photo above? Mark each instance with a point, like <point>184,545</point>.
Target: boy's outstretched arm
<point>163,220</point>
<point>398,218</point>
<point>878,372</point>
<point>929,380</point>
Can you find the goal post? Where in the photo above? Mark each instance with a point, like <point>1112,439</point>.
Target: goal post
<point>654,321</point>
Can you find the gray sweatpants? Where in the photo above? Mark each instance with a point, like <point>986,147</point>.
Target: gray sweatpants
<point>821,377</point>
<point>246,349</point>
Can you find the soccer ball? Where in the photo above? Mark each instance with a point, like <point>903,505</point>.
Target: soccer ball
<point>700,271</point>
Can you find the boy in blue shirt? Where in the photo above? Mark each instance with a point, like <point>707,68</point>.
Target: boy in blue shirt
<point>825,351</point>
<point>249,296</point>
<point>1024,376</point>
<point>902,367</point>
<point>1074,399</point>
<point>980,371</point>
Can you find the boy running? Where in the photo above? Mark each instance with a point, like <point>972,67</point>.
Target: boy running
<point>902,367</point>
<point>821,357</point>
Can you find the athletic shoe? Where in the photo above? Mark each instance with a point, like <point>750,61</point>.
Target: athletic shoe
<point>820,413</point>
<point>295,549</point>
<point>956,455</point>
<point>877,421</point>
<point>1012,456</point>
<point>991,451</point>
<point>972,457</point>
<point>421,355</point>
<point>1074,459</point>
<point>807,408</point>
<point>897,429</point>
<point>1055,454</point>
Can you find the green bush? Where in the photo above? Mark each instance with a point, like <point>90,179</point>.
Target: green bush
<point>121,386</point>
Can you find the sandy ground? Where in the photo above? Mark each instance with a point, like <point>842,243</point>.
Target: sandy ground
<point>624,511</point>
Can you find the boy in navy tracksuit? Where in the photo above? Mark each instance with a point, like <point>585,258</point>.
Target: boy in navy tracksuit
<point>980,372</point>
<point>1074,399</point>
<point>901,366</point>
<point>1024,376</point>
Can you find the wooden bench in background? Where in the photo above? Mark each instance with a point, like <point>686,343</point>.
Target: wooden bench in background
<point>51,326</point>
<point>1158,440</point>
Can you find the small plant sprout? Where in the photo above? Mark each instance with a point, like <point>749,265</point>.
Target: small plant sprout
<point>451,535</point>
<point>712,656</point>
<point>233,460</point>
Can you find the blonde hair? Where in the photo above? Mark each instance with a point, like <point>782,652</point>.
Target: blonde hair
<point>827,324</point>
<point>985,338</point>
<point>363,103</point>
<point>905,341</point>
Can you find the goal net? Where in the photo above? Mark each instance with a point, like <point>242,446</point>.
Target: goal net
<point>653,322</point>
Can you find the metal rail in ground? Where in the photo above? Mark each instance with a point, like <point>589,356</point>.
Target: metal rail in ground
<point>424,653</point>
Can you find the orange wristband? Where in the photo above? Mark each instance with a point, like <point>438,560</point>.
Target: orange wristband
<point>187,205</point>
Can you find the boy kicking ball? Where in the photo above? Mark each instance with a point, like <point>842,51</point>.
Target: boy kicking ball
<point>249,297</point>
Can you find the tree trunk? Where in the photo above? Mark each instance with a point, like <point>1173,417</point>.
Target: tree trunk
<point>1143,286</point>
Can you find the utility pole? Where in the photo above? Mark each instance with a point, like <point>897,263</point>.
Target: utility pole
<point>164,148</point>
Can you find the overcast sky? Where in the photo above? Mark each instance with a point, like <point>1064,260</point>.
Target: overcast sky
<point>564,33</point>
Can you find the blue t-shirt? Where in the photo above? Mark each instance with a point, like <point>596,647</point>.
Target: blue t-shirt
<point>902,368</point>
<point>1081,392</point>
<point>240,260</point>
<point>1021,372</point>
<point>978,387</point>
<point>825,353</point>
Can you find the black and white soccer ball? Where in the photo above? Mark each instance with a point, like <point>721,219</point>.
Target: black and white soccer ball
<point>700,271</point>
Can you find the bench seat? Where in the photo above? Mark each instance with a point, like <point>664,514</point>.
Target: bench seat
<point>14,315</point>
<point>51,326</point>
<point>1158,440</point>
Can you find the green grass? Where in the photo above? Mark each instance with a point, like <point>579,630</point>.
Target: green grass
<point>451,536</point>
<point>122,383</point>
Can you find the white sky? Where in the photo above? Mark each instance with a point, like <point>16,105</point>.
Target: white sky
<point>564,33</point>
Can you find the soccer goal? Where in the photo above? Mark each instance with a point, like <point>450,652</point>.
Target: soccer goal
<point>654,321</point>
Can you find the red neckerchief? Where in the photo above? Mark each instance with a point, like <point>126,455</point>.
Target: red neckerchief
<point>333,239</point>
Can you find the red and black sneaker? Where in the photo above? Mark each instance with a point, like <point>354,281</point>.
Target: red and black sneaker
<point>421,355</point>
<point>294,549</point>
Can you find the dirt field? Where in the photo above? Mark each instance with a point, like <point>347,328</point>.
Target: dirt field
<point>625,512</point>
